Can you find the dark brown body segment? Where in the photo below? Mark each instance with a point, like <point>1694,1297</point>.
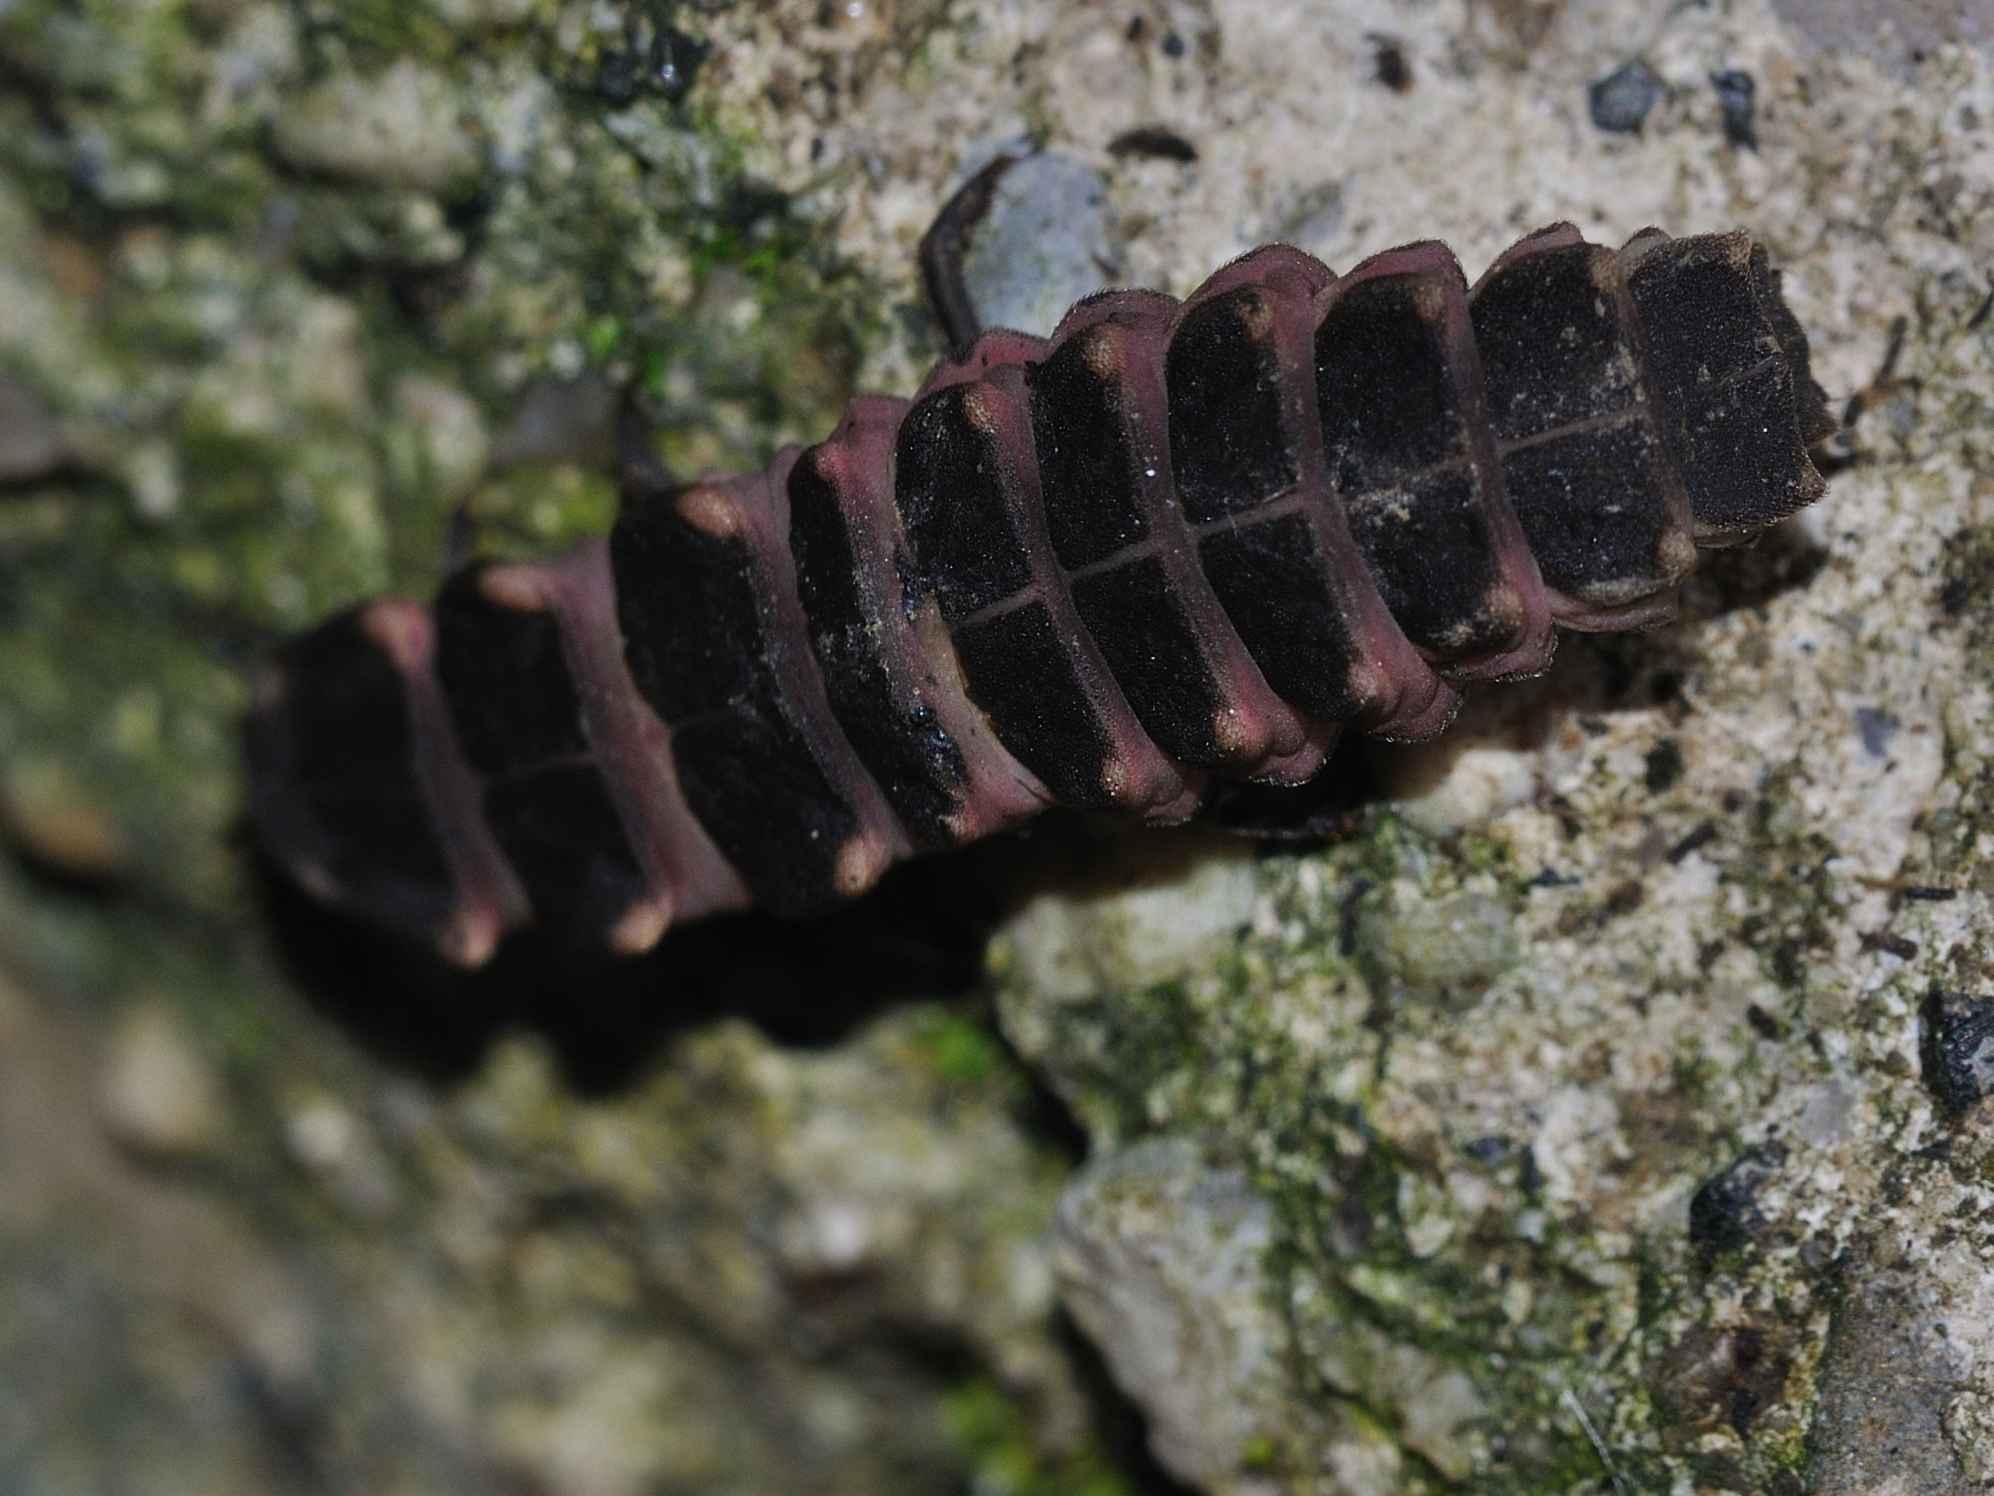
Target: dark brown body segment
<point>1174,542</point>
<point>504,675</point>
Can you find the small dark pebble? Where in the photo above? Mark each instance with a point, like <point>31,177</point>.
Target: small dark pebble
<point>1928,893</point>
<point>1552,878</point>
<point>1956,1048</point>
<point>1153,140</point>
<point>1891,945</point>
<point>1763,1023</point>
<point>1347,914</point>
<point>663,62</point>
<point>1664,766</point>
<point>1877,728</point>
<point>1621,100</point>
<point>1624,898</point>
<point>1982,312</point>
<point>1173,44</point>
<point>1732,1372</point>
<point>1490,1149</point>
<point>1737,96</point>
<point>1789,965</point>
<point>1724,1212</point>
<point>1529,1174</point>
<point>1388,63</point>
<point>1701,835</point>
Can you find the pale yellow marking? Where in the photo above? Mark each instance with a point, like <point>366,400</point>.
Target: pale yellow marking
<point>520,588</point>
<point>1104,351</point>
<point>1429,299</point>
<point>1503,601</point>
<point>979,408</point>
<point>1676,555</point>
<point>711,511</point>
<point>859,864</point>
<point>469,938</point>
<point>823,460</point>
<point>1235,740</point>
<point>1364,681</point>
<point>937,648</point>
<point>400,628</point>
<point>1115,783</point>
<point>640,927</point>
<point>1256,315</point>
<point>1604,272</point>
<point>964,825</point>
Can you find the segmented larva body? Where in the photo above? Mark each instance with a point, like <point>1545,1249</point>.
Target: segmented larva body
<point>1176,541</point>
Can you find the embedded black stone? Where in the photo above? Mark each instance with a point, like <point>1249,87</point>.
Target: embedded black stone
<point>1956,1048</point>
<point>505,680</point>
<point>896,734</point>
<point>561,832</point>
<point>1620,101</point>
<point>1593,510</point>
<point>1724,1213</point>
<point>1387,403</point>
<point>1145,634</point>
<point>1552,346</point>
<point>1088,470</point>
<point>1019,671</point>
<point>1275,587</point>
<point>1429,549</point>
<point>1230,449</point>
<point>951,482</point>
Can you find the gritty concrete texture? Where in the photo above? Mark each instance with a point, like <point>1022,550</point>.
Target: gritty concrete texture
<point>1162,1261</point>
<point>1898,36</point>
<point>1427,1110</point>
<point>156,1092</point>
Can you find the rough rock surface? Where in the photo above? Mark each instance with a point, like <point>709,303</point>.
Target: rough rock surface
<point>1568,1129</point>
<point>1160,1259</point>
